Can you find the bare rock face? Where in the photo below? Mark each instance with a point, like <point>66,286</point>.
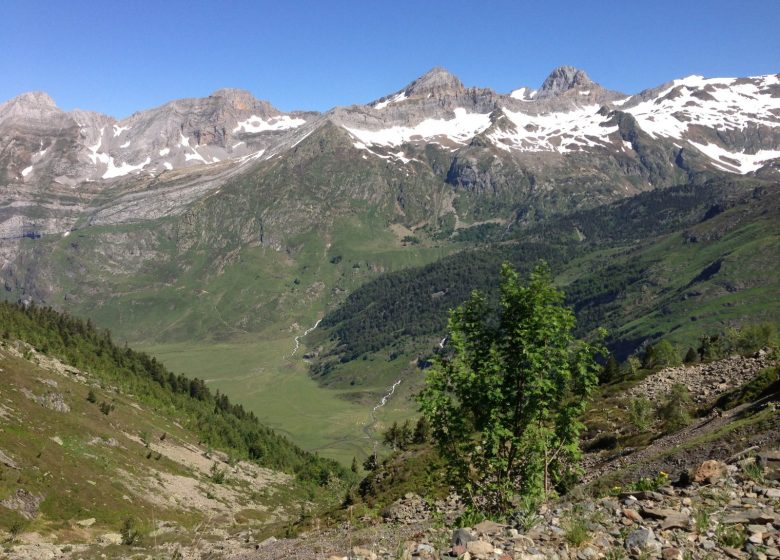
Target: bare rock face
<point>561,80</point>
<point>23,502</point>
<point>436,82</point>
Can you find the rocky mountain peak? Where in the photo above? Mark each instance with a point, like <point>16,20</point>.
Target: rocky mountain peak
<point>561,80</point>
<point>436,82</point>
<point>35,99</point>
<point>239,99</point>
<point>34,106</point>
<point>30,101</point>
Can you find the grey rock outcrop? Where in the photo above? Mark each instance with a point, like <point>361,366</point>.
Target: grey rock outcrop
<point>561,80</point>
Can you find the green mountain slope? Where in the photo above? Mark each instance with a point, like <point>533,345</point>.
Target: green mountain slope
<point>99,434</point>
<point>676,263</point>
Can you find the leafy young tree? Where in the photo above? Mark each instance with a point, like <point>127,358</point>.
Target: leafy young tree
<point>505,407</point>
<point>662,354</point>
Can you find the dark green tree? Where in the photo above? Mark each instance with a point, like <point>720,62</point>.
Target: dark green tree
<point>422,430</point>
<point>391,437</point>
<point>371,463</point>
<point>691,357</point>
<point>505,407</point>
<point>405,435</point>
<point>611,370</point>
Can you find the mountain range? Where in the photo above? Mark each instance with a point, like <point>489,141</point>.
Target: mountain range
<point>530,142</point>
<point>215,232</point>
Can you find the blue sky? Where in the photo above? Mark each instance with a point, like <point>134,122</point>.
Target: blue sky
<point>119,57</point>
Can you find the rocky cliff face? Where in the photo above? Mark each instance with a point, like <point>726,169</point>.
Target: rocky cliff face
<point>229,124</point>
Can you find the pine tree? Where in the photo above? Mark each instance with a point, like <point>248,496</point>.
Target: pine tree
<point>422,431</point>
<point>611,370</point>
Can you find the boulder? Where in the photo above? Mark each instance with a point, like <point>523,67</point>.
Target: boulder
<point>480,549</point>
<point>488,527</point>
<point>110,538</point>
<point>642,541</point>
<point>709,472</point>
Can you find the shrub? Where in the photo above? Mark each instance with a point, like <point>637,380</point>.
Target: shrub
<point>527,515</point>
<point>217,475</point>
<point>576,529</point>
<point>130,532</point>
<point>751,338</point>
<point>674,409</point>
<point>661,354</point>
<point>640,413</point>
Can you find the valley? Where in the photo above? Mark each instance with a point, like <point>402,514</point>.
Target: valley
<point>250,224</point>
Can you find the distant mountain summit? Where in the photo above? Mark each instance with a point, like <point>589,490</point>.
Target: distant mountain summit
<point>563,79</point>
<point>436,82</point>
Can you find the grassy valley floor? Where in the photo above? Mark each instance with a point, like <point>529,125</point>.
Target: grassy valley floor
<point>262,375</point>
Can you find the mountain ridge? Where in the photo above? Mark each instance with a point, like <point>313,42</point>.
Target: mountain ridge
<point>568,113</point>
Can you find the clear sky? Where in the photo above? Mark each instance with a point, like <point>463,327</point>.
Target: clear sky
<point>121,56</point>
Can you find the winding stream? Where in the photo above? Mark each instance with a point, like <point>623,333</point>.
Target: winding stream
<point>369,428</point>
<point>298,338</point>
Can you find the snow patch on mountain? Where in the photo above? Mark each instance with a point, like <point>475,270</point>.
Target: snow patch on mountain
<point>739,162</point>
<point>256,124</point>
<point>120,129</point>
<point>194,156</point>
<point>397,98</point>
<point>461,128</point>
<point>719,103</point>
<point>523,94</point>
<point>555,131</point>
<point>123,169</point>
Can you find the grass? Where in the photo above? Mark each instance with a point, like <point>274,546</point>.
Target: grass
<point>731,535</point>
<point>66,458</point>
<point>576,529</point>
<point>261,376</point>
<point>76,478</point>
